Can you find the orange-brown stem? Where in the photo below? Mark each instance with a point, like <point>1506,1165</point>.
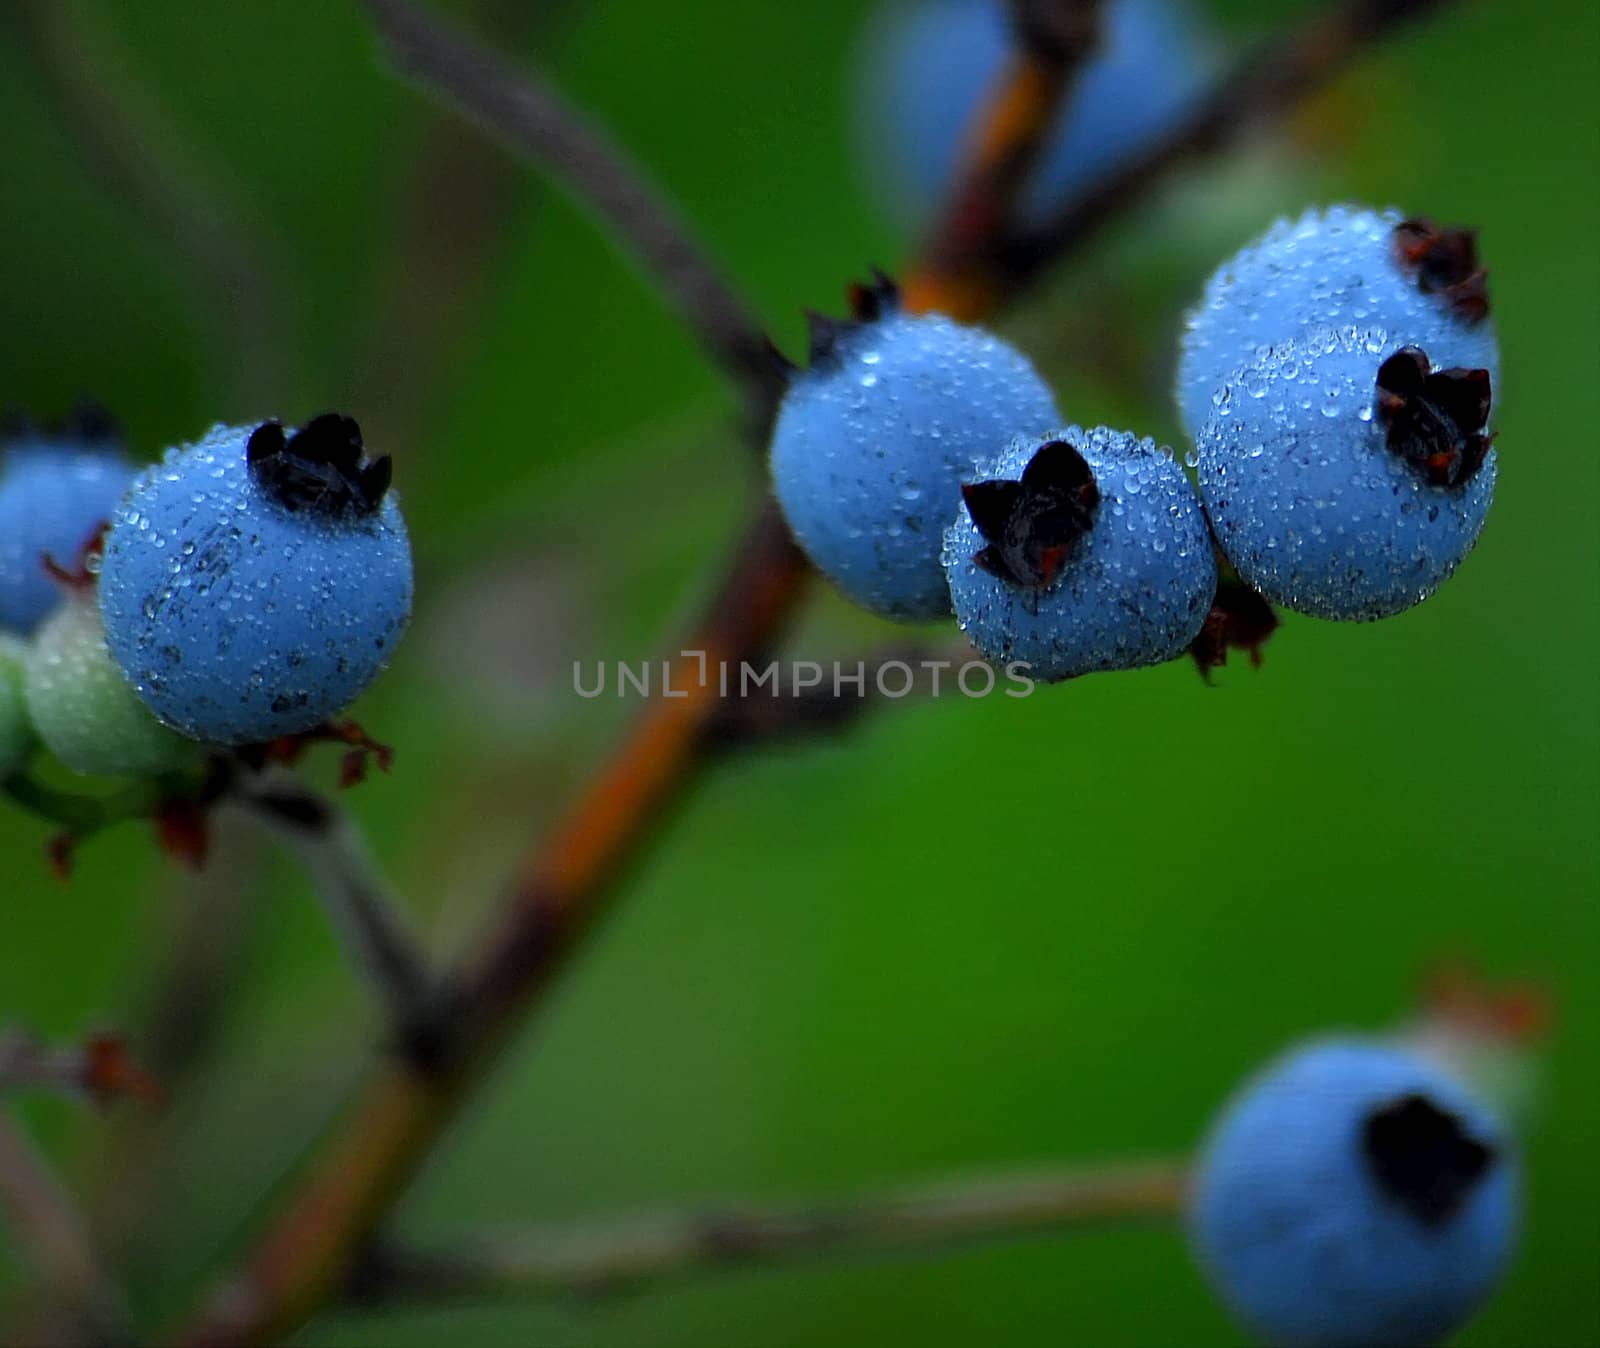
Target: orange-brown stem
<point>959,272</point>
<point>405,1104</point>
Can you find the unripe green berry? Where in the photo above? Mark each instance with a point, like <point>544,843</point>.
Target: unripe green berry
<point>84,710</point>
<point>16,730</point>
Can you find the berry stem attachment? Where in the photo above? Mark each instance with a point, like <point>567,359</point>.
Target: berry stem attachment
<point>642,1253</point>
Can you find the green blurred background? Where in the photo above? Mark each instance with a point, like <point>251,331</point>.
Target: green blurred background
<point>968,934</point>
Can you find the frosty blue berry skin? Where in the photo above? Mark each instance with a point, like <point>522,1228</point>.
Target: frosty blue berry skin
<point>255,583</point>
<point>1080,551</point>
<point>927,65</point>
<point>1354,1196</point>
<point>1345,479</point>
<point>873,440</point>
<point>57,486</point>
<point>1339,266</point>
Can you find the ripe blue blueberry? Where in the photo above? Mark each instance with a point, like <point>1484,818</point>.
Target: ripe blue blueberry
<point>256,582</point>
<point>927,65</point>
<point>872,442</point>
<point>1354,1196</point>
<point>1080,551</point>
<point>1342,266</point>
<point>1344,478</point>
<point>57,486</point>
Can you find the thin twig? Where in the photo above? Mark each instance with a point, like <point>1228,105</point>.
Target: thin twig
<point>51,1232</point>
<point>520,108</point>
<point>1283,71</point>
<point>624,1256</point>
<point>366,917</point>
<point>98,1070</point>
<point>958,273</point>
<point>133,146</point>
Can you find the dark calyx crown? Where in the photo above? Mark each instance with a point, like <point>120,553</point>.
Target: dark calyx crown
<point>869,302</point>
<point>1423,1158</point>
<point>1435,418</point>
<point>1240,619</point>
<point>1031,526</point>
<point>1445,262</point>
<point>321,468</point>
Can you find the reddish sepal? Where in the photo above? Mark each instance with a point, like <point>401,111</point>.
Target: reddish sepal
<point>1240,619</point>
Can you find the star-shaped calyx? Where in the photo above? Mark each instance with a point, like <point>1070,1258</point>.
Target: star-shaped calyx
<point>321,468</point>
<point>1435,418</point>
<point>1031,526</point>
<point>1423,1158</point>
<point>1444,262</point>
<point>869,301</point>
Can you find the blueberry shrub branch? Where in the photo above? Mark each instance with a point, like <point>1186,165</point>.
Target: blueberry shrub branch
<point>622,1256</point>
<point>310,1248</point>
<point>328,1237</point>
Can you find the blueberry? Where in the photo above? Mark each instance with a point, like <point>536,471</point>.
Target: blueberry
<point>256,582</point>
<point>1345,478</point>
<point>1341,266</point>
<point>83,709</point>
<point>926,66</point>
<point>16,729</point>
<point>1082,551</point>
<point>57,486</point>
<point>1352,1196</point>
<point>872,442</point>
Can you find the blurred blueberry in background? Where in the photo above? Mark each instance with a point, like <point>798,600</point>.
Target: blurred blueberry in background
<point>925,65</point>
